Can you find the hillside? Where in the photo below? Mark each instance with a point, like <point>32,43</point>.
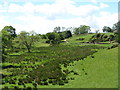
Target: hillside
<point>72,64</point>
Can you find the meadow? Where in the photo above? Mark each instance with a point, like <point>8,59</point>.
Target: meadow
<point>71,64</point>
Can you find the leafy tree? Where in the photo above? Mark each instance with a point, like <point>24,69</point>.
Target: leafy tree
<point>57,29</point>
<point>53,37</point>
<point>116,28</point>
<point>7,34</point>
<point>68,34</point>
<point>76,31</point>
<point>82,30</point>
<point>107,29</point>
<point>97,31</point>
<point>62,35</point>
<point>28,39</point>
<point>43,37</point>
<point>11,31</point>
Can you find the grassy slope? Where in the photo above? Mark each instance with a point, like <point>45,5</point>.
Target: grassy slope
<point>73,41</point>
<point>102,71</point>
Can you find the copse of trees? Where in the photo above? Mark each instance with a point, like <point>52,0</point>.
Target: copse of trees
<point>56,36</point>
<point>83,29</point>
<point>114,28</point>
<point>107,29</point>
<point>63,34</point>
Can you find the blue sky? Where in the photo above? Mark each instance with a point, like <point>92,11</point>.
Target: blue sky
<point>43,15</point>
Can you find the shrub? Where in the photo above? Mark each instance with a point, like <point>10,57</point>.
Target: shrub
<point>80,39</point>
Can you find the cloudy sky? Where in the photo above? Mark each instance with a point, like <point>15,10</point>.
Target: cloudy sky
<point>43,15</point>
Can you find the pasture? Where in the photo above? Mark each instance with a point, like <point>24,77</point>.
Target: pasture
<point>68,65</point>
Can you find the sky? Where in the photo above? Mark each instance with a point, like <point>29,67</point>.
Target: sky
<point>42,16</point>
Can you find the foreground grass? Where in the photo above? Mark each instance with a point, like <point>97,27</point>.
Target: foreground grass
<point>98,72</point>
<point>102,71</point>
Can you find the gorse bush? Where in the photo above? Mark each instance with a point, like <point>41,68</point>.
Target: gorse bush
<point>102,38</point>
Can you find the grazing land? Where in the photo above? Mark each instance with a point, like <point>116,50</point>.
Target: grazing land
<point>71,64</point>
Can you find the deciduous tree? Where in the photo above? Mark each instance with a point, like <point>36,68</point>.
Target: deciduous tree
<point>28,39</point>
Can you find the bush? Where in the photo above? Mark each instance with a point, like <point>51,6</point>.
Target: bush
<point>35,85</point>
<point>5,88</point>
<point>16,88</point>
<point>80,39</point>
<point>43,37</point>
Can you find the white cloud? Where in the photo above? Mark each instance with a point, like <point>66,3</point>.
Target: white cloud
<point>51,15</point>
<point>94,1</point>
<point>56,9</point>
<point>102,5</point>
<point>106,19</point>
<point>14,8</point>
<point>26,8</point>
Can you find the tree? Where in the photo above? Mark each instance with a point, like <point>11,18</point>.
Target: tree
<point>76,31</point>
<point>62,35</point>
<point>107,29</point>
<point>53,37</point>
<point>84,29</point>
<point>11,31</point>
<point>43,36</point>
<point>28,39</point>
<point>7,34</point>
<point>68,34</point>
<point>97,31</point>
<point>57,29</point>
<point>116,28</point>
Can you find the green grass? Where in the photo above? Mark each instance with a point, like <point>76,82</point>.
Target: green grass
<point>31,64</point>
<point>102,71</point>
<point>73,41</point>
<point>41,43</point>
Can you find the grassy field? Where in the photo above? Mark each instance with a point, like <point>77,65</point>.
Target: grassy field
<point>70,65</point>
<point>98,72</point>
<point>73,40</point>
